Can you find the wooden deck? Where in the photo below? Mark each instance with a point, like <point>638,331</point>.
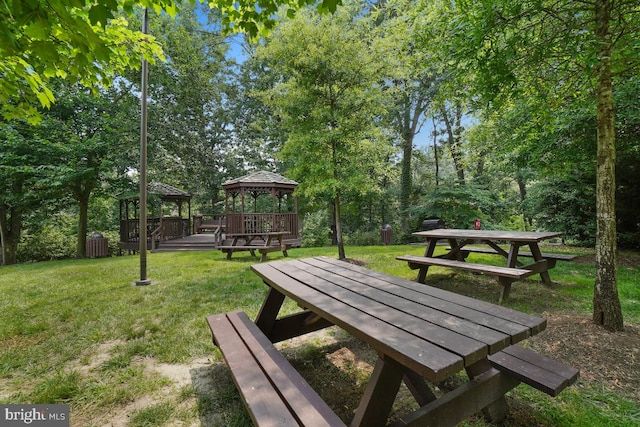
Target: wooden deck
<point>203,242</point>
<point>195,242</point>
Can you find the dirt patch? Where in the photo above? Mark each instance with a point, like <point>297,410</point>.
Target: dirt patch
<point>611,359</point>
<point>624,259</point>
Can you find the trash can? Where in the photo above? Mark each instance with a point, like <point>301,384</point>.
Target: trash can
<point>386,234</point>
<point>97,246</point>
<point>431,224</point>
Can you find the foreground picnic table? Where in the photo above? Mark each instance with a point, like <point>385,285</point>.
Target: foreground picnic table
<point>263,242</point>
<point>421,334</point>
<point>514,270</point>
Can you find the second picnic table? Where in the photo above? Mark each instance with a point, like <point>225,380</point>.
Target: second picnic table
<point>263,242</point>
<point>458,251</point>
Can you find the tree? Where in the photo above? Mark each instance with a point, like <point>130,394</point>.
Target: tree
<point>88,42</point>
<point>77,147</point>
<point>24,161</point>
<point>189,128</point>
<point>328,98</point>
<point>93,136</point>
<point>556,51</point>
<point>411,86</point>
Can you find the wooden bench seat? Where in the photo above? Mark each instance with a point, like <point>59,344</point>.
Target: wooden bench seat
<point>264,250</point>
<point>273,391</point>
<point>504,275</point>
<point>532,368</point>
<point>239,247</point>
<point>557,257</point>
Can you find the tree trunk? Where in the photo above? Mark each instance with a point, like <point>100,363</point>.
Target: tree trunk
<point>336,203</point>
<point>11,224</point>
<point>83,210</point>
<point>453,134</point>
<point>409,125</point>
<point>435,151</point>
<point>406,181</point>
<point>340,242</point>
<point>522,187</point>
<point>606,302</point>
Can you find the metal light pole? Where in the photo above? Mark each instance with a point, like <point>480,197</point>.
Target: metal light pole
<point>143,165</point>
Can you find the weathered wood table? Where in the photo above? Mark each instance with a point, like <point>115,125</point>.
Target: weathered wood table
<point>514,269</point>
<point>268,241</point>
<point>420,333</point>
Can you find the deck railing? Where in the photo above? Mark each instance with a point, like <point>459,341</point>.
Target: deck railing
<point>262,223</point>
<point>169,228</point>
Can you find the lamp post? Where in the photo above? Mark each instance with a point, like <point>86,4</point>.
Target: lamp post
<point>143,165</point>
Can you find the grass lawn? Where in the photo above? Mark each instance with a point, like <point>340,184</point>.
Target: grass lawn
<point>78,332</point>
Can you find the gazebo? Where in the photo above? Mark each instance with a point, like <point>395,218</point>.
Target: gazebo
<point>262,202</point>
<point>168,224</point>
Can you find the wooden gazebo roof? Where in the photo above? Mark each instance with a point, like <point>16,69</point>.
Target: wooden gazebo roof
<point>167,192</point>
<point>161,190</point>
<point>262,179</point>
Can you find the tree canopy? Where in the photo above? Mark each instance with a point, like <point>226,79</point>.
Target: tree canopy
<point>90,42</point>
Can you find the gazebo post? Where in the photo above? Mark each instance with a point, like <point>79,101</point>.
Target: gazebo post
<point>242,228</point>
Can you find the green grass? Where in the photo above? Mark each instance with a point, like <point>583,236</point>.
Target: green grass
<point>78,332</point>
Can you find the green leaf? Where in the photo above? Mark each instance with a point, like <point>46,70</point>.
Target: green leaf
<point>100,13</point>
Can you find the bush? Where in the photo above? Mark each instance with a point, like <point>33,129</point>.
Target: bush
<point>456,205</point>
<point>363,238</point>
<point>317,230</point>
<point>51,243</point>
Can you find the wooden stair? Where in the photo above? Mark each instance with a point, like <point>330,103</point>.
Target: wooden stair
<point>195,242</point>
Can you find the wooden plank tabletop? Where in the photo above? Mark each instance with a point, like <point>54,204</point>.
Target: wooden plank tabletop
<point>434,332</point>
<point>516,236</point>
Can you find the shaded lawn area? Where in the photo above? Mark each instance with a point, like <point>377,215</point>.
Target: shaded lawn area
<point>77,332</point>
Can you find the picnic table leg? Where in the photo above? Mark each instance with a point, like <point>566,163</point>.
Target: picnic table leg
<point>233,243</point>
<point>431,247</point>
<point>537,256</point>
<point>505,288</point>
<point>283,246</point>
<point>512,257</point>
<point>455,252</point>
<point>269,311</point>
<point>380,394</point>
<point>418,388</point>
<point>497,410</point>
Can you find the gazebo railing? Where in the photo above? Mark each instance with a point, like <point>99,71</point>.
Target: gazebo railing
<point>243,223</point>
<point>172,228</point>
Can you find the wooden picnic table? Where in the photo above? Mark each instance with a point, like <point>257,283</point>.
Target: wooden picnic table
<point>263,242</point>
<point>458,251</point>
<point>419,332</point>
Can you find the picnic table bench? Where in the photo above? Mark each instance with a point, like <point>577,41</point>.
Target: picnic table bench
<point>549,256</point>
<point>264,243</point>
<point>504,275</point>
<point>421,334</point>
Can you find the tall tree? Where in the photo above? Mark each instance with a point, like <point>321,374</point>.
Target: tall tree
<point>411,87</point>
<point>452,118</point>
<point>189,127</point>
<point>576,49</point>
<point>25,173</point>
<point>328,98</point>
<point>94,136</point>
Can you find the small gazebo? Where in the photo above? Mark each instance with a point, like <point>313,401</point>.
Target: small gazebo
<point>262,202</point>
<point>169,223</point>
